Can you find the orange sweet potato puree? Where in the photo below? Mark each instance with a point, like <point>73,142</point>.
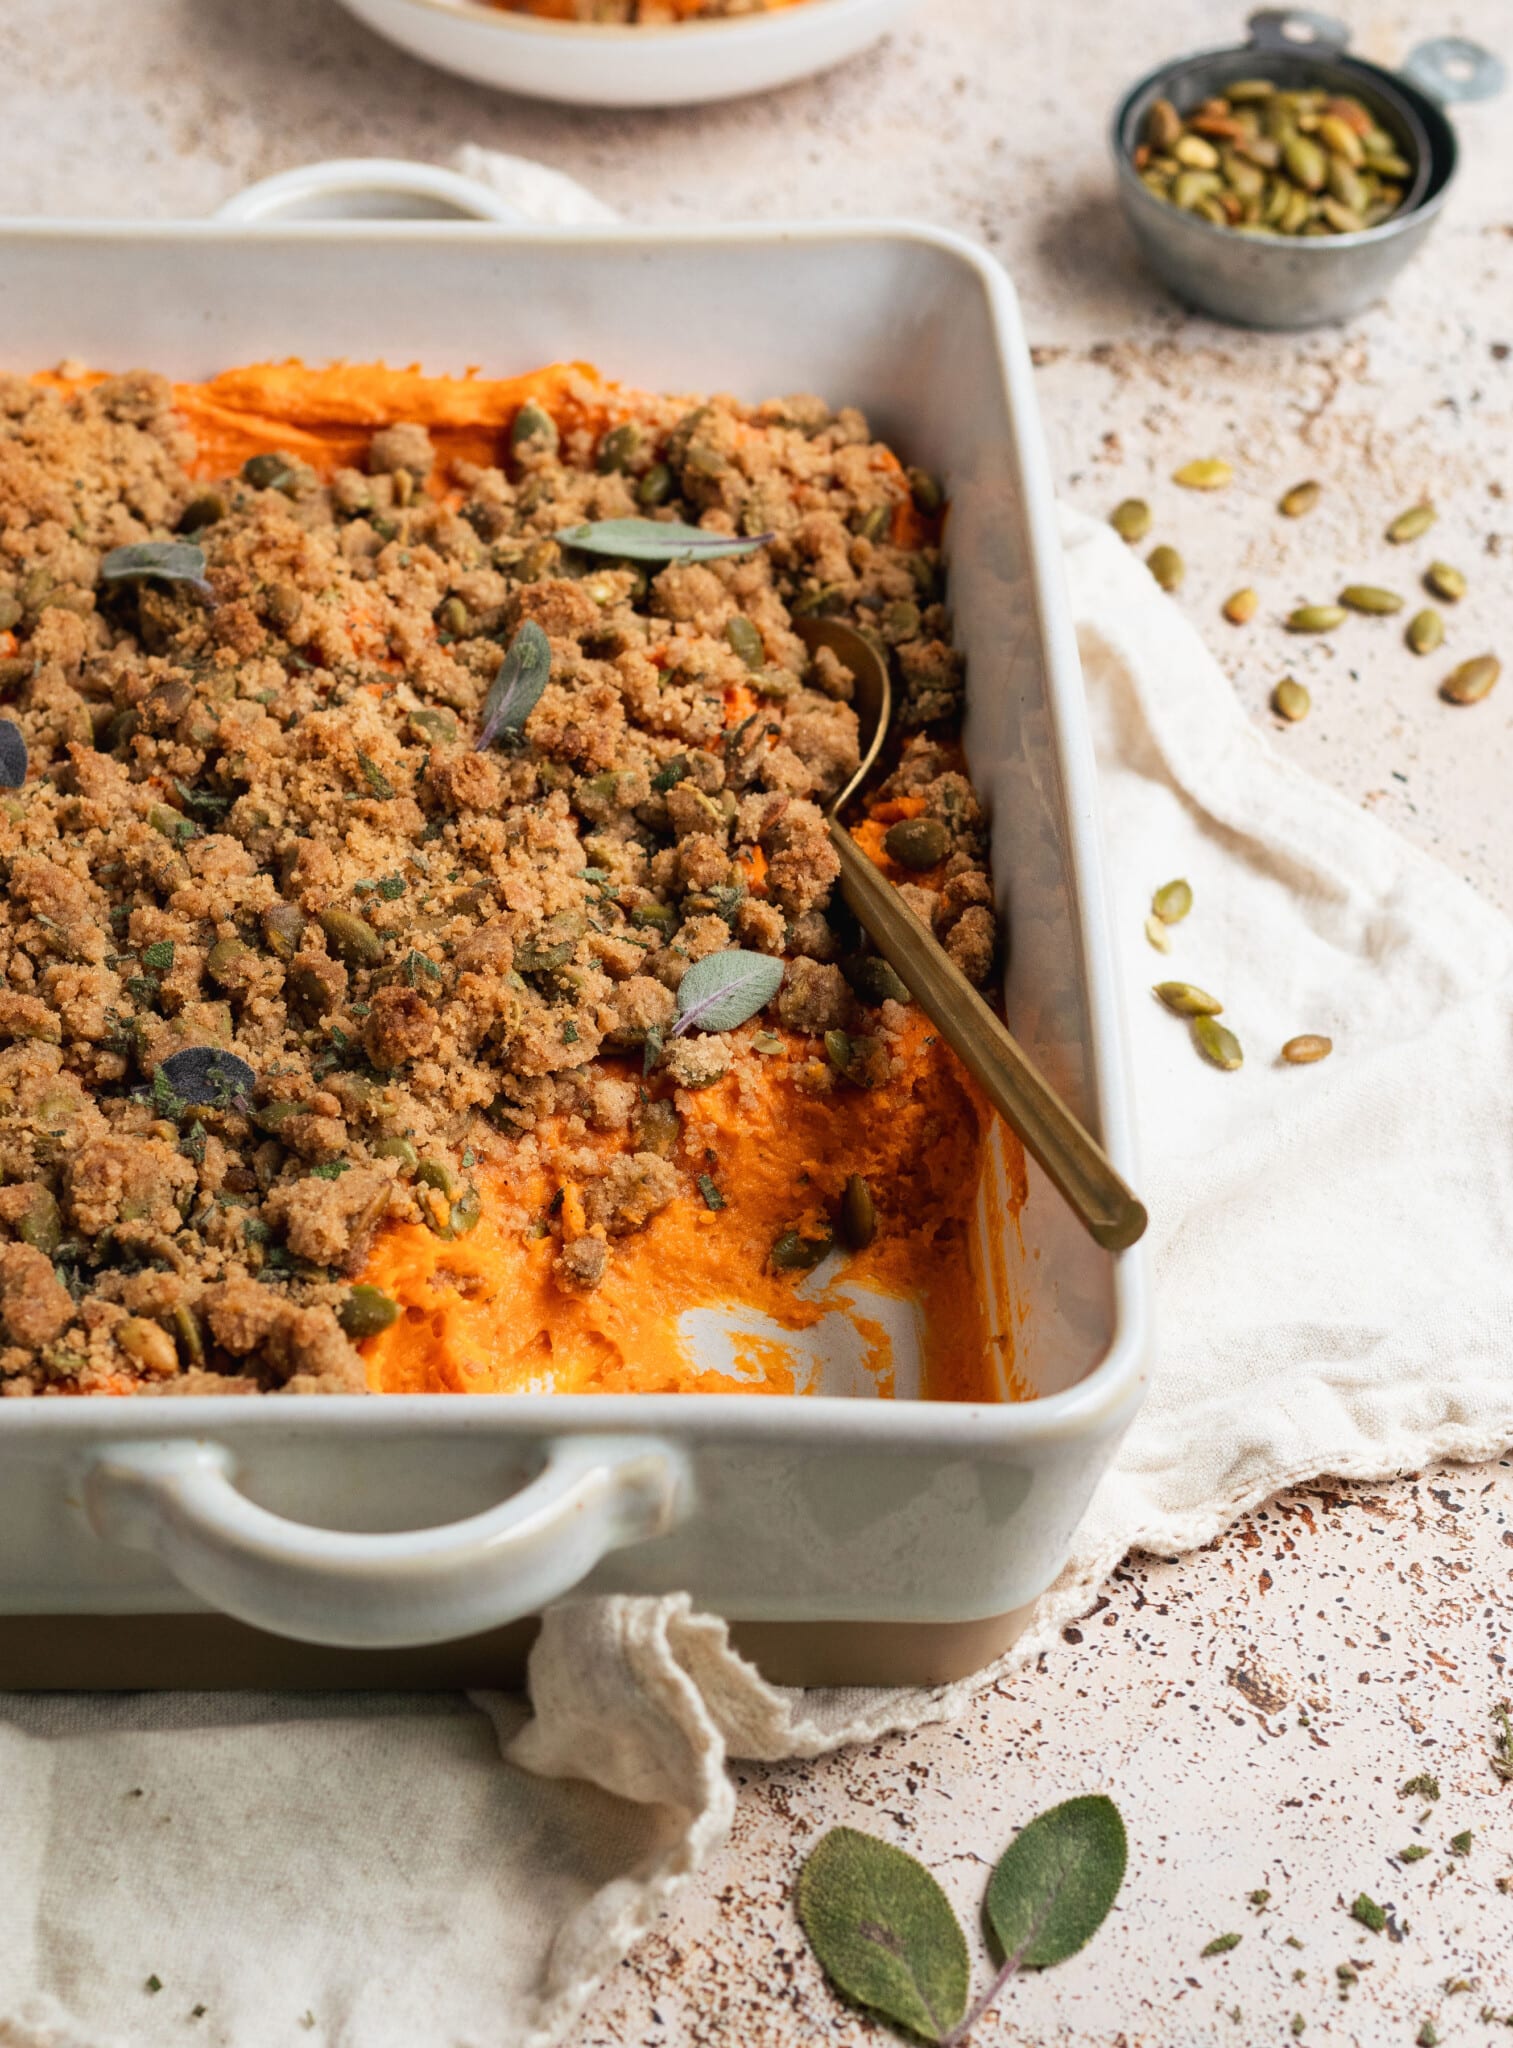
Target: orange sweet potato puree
<point>482,1314</point>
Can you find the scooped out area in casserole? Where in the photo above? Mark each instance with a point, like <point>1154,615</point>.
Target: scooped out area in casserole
<point>340,1036</point>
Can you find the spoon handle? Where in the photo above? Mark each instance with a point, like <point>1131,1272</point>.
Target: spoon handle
<point>1075,1161</point>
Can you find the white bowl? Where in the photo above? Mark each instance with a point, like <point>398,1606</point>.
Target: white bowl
<point>590,66</point>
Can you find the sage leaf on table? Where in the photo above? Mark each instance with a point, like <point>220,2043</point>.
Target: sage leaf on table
<point>1056,1881</point>
<point>159,561</point>
<point>657,540</point>
<point>517,686</point>
<point>724,989</point>
<point>884,1932</point>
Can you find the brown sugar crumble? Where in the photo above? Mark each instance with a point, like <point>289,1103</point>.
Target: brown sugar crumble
<point>258,822</point>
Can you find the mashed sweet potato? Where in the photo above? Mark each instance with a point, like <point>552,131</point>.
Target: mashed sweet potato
<point>472,1155</point>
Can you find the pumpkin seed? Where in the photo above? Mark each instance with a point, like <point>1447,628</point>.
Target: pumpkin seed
<point>1163,125</point>
<point>1445,582</point>
<point>267,471</point>
<point>858,1217</point>
<point>658,1128</point>
<point>1208,473</point>
<point>203,510</point>
<point>1472,681</point>
<point>1306,1048</point>
<point>1131,519</point>
<point>1315,618</point>
<point>1167,566</point>
<point>366,1311</point>
<point>927,491</point>
<point>10,610</point>
<point>619,447</point>
<point>1173,900</point>
<point>148,1343</point>
<point>901,622</point>
<point>794,1253</point>
<point>1187,1001</point>
<point>1366,597</point>
<point>1412,524</point>
<point>917,843</point>
<point>454,617</point>
<point>875,523</point>
<point>353,937</point>
<point>40,1224</point>
<point>1158,935</point>
<point>1242,92</point>
<point>1306,163</point>
<point>439,727</point>
<point>1196,152</point>
<point>400,1149</point>
<point>746,641</point>
<point>655,488</point>
<point>224,957</point>
<point>873,980</point>
<point>1217,1043</point>
<point>1242,606</point>
<point>1290,700</point>
<point>534,427</point>
<point>191,1338</point>
<point>1426,630</point>
<point>283,929</point>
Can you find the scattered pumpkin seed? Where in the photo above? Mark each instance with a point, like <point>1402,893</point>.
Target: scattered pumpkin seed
<point>1445,582</point>
<point>917,843</point>
<point>1300,499</point>
<point>1426,630</point>
<point>1472,681</point>
<point>1290,700</point>
<point>148,1343</point>
<point>927,491</point>
<point>1306,1048</point>
<point>1368,597</point>
<point>400,1149</point>
<point>40,1224</point>
<point>283,929</point>
<point>618,448</point>
<point>1187,1001</point>
<point>224,958</point>
<point>858,1216</point>
<point>1158,934</point>
<point>1173,900</point>
<point>1208,473</point>
<point>746,641</point>
<point>1131,519</point>
<point>366,1311</point>
<point>1315,618</point>
<point>655,488</point>
<point>1217,1043</point>
<point>203,510</point>
<point>1167,566</point>
<point>266,471</point>
<point>1412,524</point>
<point>1241,607</point>
<point>533,426</point>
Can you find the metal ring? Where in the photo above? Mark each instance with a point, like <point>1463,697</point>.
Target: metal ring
<point>1454,68</point>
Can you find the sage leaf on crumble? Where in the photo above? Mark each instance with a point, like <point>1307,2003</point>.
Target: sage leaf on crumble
<point>657,540</point>
<point>884,1932</point>
<point>157,561</point>
<point>516,689</point>
<point>723,989</point>
<point>12,754</point>
<point>1055,1883</point>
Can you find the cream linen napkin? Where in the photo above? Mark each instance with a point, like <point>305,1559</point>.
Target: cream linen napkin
<point>1334,1259</point>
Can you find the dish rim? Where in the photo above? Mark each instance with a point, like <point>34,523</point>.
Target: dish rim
<point>1106,1396</point>
<point>604,33</point>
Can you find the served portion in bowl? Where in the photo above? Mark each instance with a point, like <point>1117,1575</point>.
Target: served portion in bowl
<point>423,966</point>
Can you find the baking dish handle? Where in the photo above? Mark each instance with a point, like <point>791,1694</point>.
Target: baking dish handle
<point>368,188</point>
<point>179,1501</point>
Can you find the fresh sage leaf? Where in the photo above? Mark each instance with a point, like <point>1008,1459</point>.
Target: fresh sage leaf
<point>1056,1881</point>
<point>160,561</point>
<point>657,540</point>
<point>12,754</point>
<point>884,1932</point>
<point>516,689</point>
<point>724,989</point>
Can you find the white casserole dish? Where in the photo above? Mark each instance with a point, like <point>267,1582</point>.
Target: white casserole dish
<point>336,1521</point>
<point>583,64</point>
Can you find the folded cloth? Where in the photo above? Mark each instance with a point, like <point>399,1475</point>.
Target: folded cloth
<point>1334,1257</point>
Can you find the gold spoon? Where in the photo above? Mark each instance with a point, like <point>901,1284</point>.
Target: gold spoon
<point>1073,1158</point>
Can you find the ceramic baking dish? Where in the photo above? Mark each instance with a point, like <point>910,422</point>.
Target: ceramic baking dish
<point>850,1537</point>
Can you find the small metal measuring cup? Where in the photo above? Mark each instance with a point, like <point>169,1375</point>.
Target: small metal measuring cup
<point>1298,281</point>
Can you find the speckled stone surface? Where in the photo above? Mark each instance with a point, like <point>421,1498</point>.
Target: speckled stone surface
<point>1255,1708</point>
